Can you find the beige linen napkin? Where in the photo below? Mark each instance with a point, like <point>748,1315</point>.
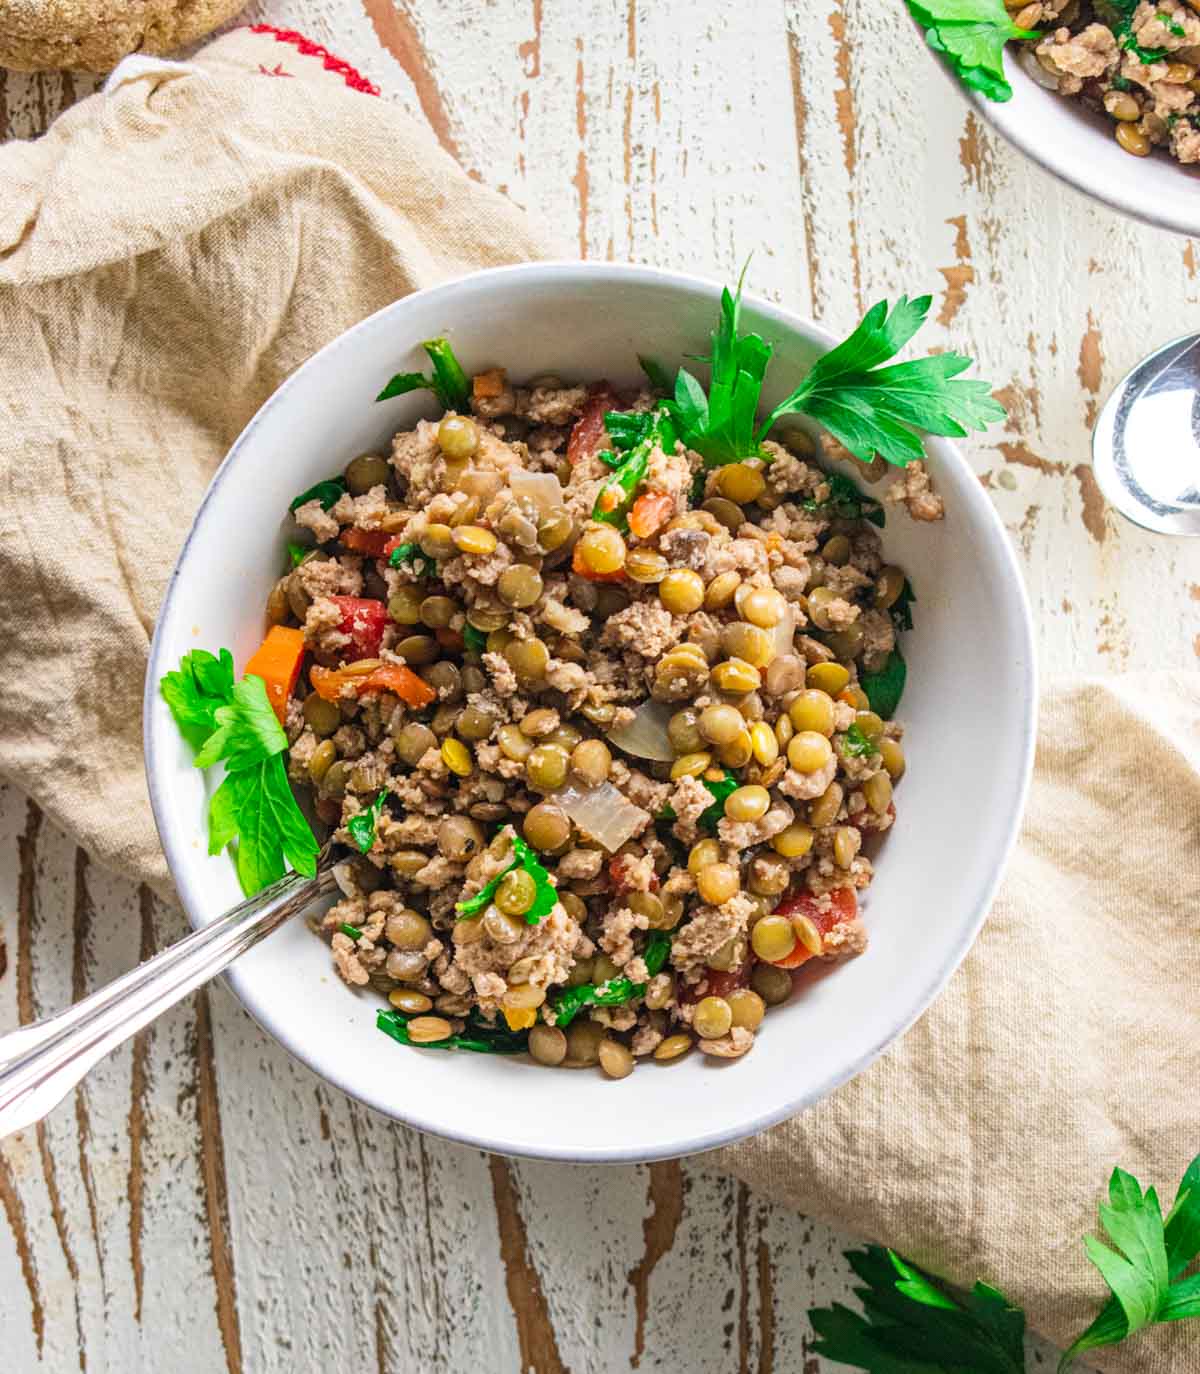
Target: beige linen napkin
<point>170,251</point>
<point>1069,1040</point>
<point>173,249</point>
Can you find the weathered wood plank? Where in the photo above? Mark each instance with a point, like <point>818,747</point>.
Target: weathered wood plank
<point>204,1201</point>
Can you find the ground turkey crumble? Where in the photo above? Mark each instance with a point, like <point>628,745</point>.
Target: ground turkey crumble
<point>483,682</point>
<point>1137,71</point>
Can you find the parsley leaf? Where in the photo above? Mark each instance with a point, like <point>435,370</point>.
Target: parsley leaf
<point>846,502</point>
<point>901,609</point>
<point>971,35</point>
<point>254,805</point>
<point>873,409</point>
<point>352,932</point>
<point>422,564</point>
<point>297,553</point>
<point>193,693</point>
<point>642,437</point>
<point>885,688</point>
<point>1146,1259</point>
<point>571,1001</point>
<point>362,826</point>
<point>329,493</point>
<point>708,818</point>
<point>474,640</point>
<point>449,382</point>
<point>722,425</point>
<point>546,894</point>
<point>481,1039</point>
<point>912,1325</point>
<point>657,375</point>
<point>248,731</point>
<point>870,409</point>
<point>856,744</point>
<point>720,789</point>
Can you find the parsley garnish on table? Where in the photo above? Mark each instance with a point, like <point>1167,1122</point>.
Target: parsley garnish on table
<point>253,810</point>
<point>914,1324</point>
<point>871,409</point>
<point>970,35</point>
<point>449,382</point>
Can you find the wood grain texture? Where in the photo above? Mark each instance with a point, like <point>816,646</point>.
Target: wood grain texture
<point>204,1203</point>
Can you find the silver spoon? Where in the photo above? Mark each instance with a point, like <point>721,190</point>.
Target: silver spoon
<point>1146,445</point>
<point>42,1062</point>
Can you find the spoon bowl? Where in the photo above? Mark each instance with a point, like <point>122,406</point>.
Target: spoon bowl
<point>1146,444</point>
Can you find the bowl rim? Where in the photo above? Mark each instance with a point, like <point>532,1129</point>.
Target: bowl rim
<point>176,847</point>
<point>1003,116</point>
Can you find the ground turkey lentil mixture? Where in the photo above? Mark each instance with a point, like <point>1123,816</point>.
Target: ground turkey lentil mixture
<point>1138,62</point>
<point>665,712</point>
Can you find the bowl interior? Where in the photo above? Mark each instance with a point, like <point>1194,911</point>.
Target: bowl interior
<point>969,709</point>
<point>1077,145</point>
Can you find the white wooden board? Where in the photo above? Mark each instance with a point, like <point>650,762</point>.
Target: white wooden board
<point>204,1203</point>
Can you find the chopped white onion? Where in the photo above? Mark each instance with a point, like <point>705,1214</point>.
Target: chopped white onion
<point>601,812</point>
<point>783,635</point>
<point>542,488</point>
<point>645,736</point>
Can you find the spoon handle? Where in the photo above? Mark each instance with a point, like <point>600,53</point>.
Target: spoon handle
<point>41,1062</point>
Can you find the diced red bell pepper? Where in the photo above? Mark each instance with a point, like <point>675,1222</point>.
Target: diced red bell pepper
<point>363,620</point>
<point>842,907</point>
<point>589,434</point>
<point>414,691</point>
<point>717,982</point>
<point>373,543</point>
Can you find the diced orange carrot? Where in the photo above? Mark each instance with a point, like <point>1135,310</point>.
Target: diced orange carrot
<point>277,662</point>
<point>650,513</point>
<point>389,677</point>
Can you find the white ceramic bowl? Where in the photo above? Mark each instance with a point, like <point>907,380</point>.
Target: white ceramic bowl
<point>1076,145</point>
<point>969,707</point>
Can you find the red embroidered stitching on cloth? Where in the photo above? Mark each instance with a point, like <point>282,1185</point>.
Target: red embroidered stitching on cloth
<point>355,80</point>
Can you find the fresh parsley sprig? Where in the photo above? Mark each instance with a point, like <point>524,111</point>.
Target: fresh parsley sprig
<point>970,35</point>
<point>637,434</point>
<point>1148,1257</point>
<point>233,723</point>
<point>449,382</point>
<point>879,410</point>
<point>871,409</point>
<point>546,894</point>
<point>913,1324</point>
